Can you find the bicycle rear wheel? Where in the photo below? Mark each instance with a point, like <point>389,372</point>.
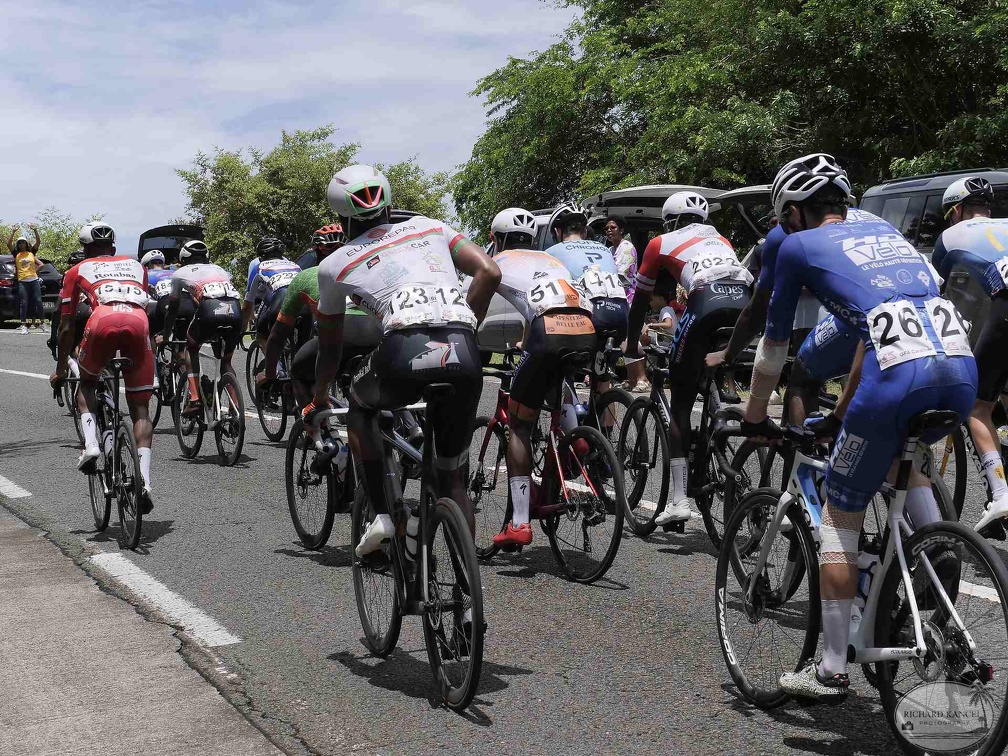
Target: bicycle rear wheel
<point>610,409</point>
<point>952,465</point>
<point>101,505</point>
<point>453,622</point>
<point>488,484</point>
<point>377,580</point>
<point>129,486</point>
<point>952,676</point>
<point>230,430</point>
<point>254,362</point>
<point>188,430</point>
<point>766,635</point>
<point>585,535</point>
<point>311,498</point>
<point>273,407</point>
<point>644,456</point>
<point>155,407</point>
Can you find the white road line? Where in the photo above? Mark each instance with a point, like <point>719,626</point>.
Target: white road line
<point>980,591</point>
<point>12,490</point>
<point>26,375</point>
<point>201,626</point>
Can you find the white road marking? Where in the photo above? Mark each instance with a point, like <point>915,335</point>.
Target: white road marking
<point>201,626</point>
<point>26,375</point>
<point>980,591</point>
<point>12,490</point>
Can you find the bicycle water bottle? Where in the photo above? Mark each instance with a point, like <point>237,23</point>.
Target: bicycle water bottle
<point>412,535</point>
<point>867,561</point>
<point>568,417</point>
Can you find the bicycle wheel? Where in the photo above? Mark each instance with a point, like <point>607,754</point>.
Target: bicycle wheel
<point>128,486</point>
<point>188,430</point>
<point>952,676</point>
<point>585,535</point>
<point>453,623</point>
<point>755,465</point>
<point>273,407</point>
<point>377,579</point>
<point>253,364</point>
<point>75,412</point>
<point>710,497</point>
<point>952,465</point>
<point>610,410</point>
<point>101,505</point>
<point>155,407</point>
<point>311,497</point>
<point>229,433</point>
<point>763,637</point>
<point>644,456</point>
<point>488,484</point>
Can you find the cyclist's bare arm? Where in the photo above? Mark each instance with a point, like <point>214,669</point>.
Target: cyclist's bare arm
<point>751,322</point>
<point>274,346</point>
<point>473,261</point>
<point>64,344</point>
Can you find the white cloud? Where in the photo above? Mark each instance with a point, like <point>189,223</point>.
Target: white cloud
<point>103,101</point>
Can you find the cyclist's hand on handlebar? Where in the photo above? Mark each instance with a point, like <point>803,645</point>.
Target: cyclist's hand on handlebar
<point>56,380</point>
<point>263,381</point>
<point>716,359</point>
<point>824,427</point>
<point>764,431</point>
<point>309,412</point>
<point>159,340</point>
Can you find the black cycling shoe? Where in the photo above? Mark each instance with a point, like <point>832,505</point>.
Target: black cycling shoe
<point>146,502</point>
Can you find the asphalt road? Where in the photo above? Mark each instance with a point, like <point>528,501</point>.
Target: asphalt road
<point>631,664</point>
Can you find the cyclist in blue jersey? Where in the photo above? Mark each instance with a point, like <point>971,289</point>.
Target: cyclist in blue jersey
<point>979,244</point>
<point>915,357</point>
<point>269,275</point>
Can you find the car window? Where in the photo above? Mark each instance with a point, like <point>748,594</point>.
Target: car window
<point>733,226</point>
<point>912,219</point>
<point>932,223</point>
<point>895,209</point>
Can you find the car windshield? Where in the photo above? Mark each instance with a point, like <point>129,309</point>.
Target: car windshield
<point>731,221</point>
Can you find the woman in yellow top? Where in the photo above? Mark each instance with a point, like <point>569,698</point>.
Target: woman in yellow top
<point>27,265</point>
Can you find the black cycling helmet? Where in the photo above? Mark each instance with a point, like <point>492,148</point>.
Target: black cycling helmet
<point>193,251</point>
<point>269,248</point>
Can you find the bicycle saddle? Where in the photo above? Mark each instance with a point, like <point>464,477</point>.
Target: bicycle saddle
<point>120,363</point>
<point>934,420</point>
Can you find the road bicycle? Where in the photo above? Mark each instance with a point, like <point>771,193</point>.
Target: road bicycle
<point>577,492</point>
<point>441,584</point>
<point>932,606</point>
<point>167,367</point>
<point>223,410</point>
<point>117,475</point>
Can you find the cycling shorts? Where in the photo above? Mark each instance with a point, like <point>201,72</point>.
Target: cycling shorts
<point>183,317</point>
<point>361,335</point>
<point>217,317</point>
<point>990,350</point>
<point>268,313</point>
<point>710,307</point>
<point>409,360</point>
<point>550,337</point>
<point>119,328</point>
<point>609,318</point>
<point>875,426</point>
<point>828,351</point>
<point>158,315</point>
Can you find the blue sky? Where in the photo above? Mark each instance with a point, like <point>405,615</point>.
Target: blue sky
<point>103,101</point>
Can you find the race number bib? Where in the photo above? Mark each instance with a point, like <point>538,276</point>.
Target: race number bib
<point>713,265</point>
<point>1002,267</point>
<point>551,295</point>
<point>898,334</point>
<point>279,280</point>
<point>949,327</point>
<point>425,305</point>
<point>596,283</point>
<point>122,292</point>
<point>162,288</point>
<point>219,290</point>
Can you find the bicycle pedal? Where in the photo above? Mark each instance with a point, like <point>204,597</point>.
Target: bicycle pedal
<point>995,531</point>
<point>675,527</point>
<point>512,548</point>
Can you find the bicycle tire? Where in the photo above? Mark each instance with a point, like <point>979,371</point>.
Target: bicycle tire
<point>890,615</point>
<point>75,413</point>
<point>461,555</point>
<point>128,486</point>
<point>598,462</point>
<point>297,460</point>
<point>707,501</point>
<point>617,401</point>
<point>252,358</point>
<point>639,457</point>
<point>101,505</point>
<point>155,402</point>
<point>490,505</point>
<point>744,535</point>
<point>233,425</point>
<point>380,636</point>
<point>274,423</point>
<point>736,489</point>
<point>953,449</point>
<point>186,426</point>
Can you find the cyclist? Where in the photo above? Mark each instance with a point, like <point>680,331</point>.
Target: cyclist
<point>269,274</point>
<point>159,287</point>
<point>116,289</point>
<point>916,358</point>
<point>977,242</point>
<point>717,287</point>
<point>216,310</point>
<point>558,321</point>
<point>80,320</point>
<point>406,274</point>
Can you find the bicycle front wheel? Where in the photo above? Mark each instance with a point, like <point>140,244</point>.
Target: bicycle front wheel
<point>453,621</point>
<point>378,581</point>
<point>188,429</point>
<point>229,432</point>
<point>101,505</point>
<point>964,618</point>
<point>273,407</point>
<point>254,362</point>
<point>128,486</point>
<point>585,534</point>
<point>488,484</point>
<point>644,456</point>
<point>311,497</point>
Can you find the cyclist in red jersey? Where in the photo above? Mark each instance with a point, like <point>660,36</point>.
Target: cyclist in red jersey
<point>116,288</point>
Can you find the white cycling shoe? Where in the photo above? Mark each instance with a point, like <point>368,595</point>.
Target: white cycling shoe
<point>679,512</point>
<point>87,463</point>
<point>382,529</point>
<point>996,510</point>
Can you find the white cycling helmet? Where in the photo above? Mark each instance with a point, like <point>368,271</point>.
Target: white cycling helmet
<point>804,176</point>
<point>193,250</point>
<point>96,231</point>
<point>972,188</point>
<point>154,256</point>
<point>685,203</point>
<point>359,191</point>
<point>513,220</point>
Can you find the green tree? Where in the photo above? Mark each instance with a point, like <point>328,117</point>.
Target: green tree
<point>58,232</point>
<point>240,196</point>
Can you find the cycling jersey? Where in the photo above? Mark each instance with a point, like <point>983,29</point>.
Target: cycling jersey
<point>536,282</point>
<point>592,267</point>
<point>267,277</point>
<point>403,273</point>
<point>105,281</point>
<point>159,282</point>
<point>304,292</point>
<point>203,281</point>
<point>980,245</point>
<point>694,255</point>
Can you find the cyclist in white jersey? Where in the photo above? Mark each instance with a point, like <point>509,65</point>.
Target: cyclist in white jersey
<point>406,274</point>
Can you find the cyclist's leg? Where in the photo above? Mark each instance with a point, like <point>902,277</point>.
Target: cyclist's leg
<point>267,317</point>
<point>302,372</point>
<point>609,318</point>
<point>96,349</point>
<point>992,372</point>
<point>134,343</point>
<point>827,352</point>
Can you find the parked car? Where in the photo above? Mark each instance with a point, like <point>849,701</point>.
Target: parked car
<point>169,239</point>
<point>52,282</point>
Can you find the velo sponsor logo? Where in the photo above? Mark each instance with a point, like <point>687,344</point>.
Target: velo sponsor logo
<point>438,355</point>
<point>877,251</point>
<point>826,331</point>
<point>848,450</point>
<point>944,716</point>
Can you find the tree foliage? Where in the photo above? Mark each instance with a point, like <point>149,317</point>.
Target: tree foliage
<point>58,233</point>
<point>720,93</point>
<point>240,196</point>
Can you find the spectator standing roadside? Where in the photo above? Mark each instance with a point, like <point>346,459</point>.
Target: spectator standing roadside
<point>27,265</point>
<point>625,255</point>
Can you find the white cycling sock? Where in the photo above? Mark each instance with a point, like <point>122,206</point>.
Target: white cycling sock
<point>90,428</point>
<point>520,485</point>
<point>144,454</point>
<point>836,627</point>
<point>679,473</point>
<point>921,506</point>
<point>993,467</point>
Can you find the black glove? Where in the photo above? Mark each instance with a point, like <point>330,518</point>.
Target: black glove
<point>824,427</point>
<point>763,429</point>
